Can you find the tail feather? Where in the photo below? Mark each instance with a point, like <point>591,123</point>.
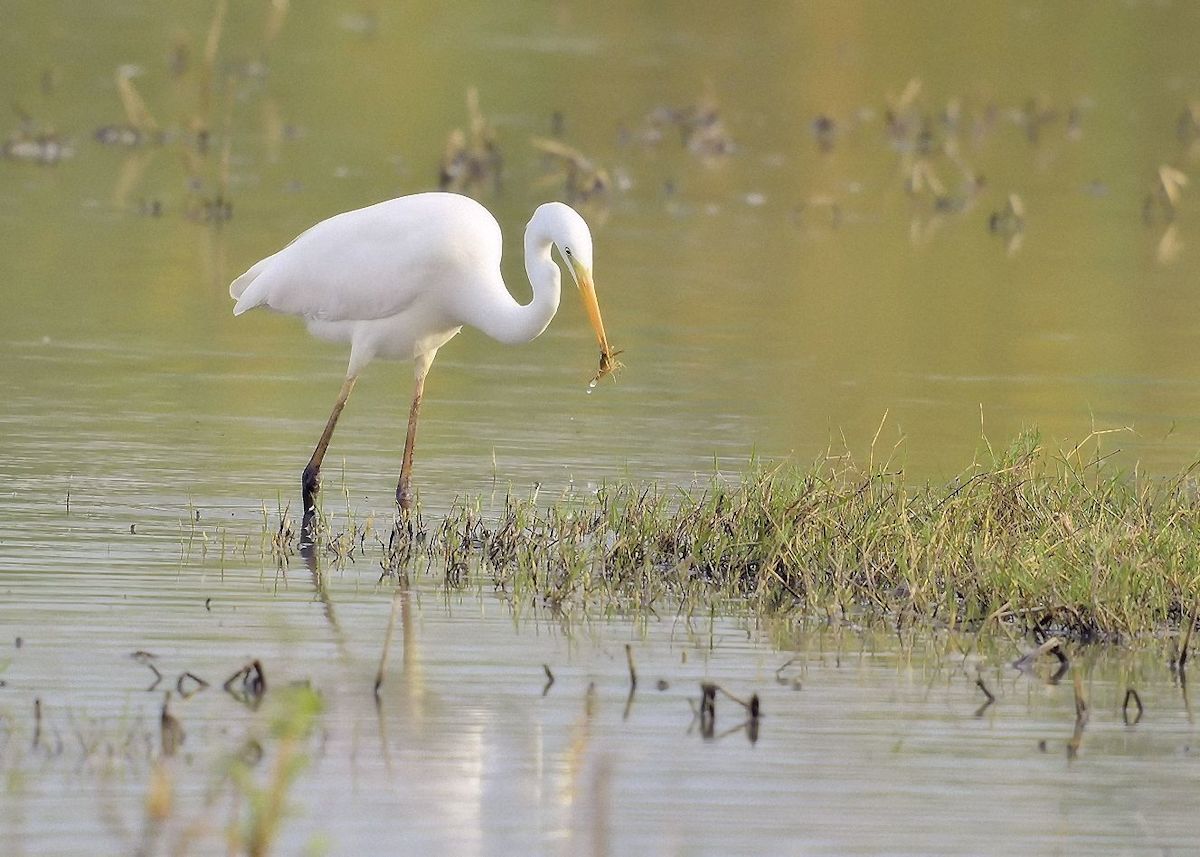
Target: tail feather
<point>240,290</point>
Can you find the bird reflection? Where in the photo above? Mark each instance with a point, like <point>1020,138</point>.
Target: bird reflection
<point>308,551</point>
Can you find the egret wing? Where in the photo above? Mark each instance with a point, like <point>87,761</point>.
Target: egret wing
<point>373,262</point>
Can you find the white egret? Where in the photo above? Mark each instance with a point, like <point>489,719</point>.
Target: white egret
<point>400,278</point>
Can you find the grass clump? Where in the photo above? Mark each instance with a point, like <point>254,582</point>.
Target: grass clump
<point>1045,540</point>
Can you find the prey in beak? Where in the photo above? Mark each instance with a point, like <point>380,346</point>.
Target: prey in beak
<point>587,291</point>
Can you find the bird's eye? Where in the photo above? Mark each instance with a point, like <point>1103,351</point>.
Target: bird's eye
<point>567,250</point>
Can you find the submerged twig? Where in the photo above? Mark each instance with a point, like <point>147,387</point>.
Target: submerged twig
<point>1130,693</point>
<point>989,697</point>
<point>1051,646</point>
<point>186,690</point>
<point>248,685</point>
<point>1081,719</point>
<point>146,659</point>
<point>1187,634</point>
<point>171,734</point>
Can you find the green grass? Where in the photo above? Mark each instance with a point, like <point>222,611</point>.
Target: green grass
<point>1050,542</point>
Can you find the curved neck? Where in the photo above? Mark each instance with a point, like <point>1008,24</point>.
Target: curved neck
<point>509,322</point>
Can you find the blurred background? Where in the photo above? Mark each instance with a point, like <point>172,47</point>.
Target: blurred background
<point>807,216</point>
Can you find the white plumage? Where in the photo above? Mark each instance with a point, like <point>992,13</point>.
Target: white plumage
<point>400,278</point>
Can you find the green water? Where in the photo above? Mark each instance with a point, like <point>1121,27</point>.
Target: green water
<point>776,301</point>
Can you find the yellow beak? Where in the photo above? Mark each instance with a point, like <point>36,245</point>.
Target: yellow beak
<point>583,277</point>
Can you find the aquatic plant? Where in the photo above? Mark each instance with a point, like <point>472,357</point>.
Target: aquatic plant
<point>1054,542</point>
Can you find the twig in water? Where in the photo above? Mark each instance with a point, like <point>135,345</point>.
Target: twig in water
<point>1051,646</point>
<point>549,679</point>
<point>253,684</point>
<point>794,683</point>
<point>708,709</point>
<point>990,697</point>
<point>186,690</point>
<point>1081,718</point>
<point>170,729</point>
<point>1187,639</point>
<point>632,682</point>
<point>147,659</point>
<point>37,722</point>
<point>752,706</point>
<point>1130,693</point>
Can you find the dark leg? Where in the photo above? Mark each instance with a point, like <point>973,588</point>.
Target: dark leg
<point>404,493</point>
<point>310,482</point>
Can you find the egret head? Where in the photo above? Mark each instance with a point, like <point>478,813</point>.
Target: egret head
<point>565,229</point>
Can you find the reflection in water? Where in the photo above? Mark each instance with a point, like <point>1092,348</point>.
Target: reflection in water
<point>308,552</point>
<point>462,750</point>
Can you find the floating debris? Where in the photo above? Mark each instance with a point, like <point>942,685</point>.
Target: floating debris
<point>472,158</point>
<point>823,206</point>
<point>824,130</point>
<point>1162,200</point>
<point>700,128</point>
<point>1179,665</point>
<point>34,142</point>
<point>1187,127</point>
<point>215,210</point>
<point>1081,719</point>
<point>583,180</point>
<point>989,697</point>
<point>171,731</point>
<point>140,128</point>
<point>1169,246</point>
<point>706,714</point>
<point>1009,224</point>
<point>1130,693</point>
<point>37,722</point>
<point>705,134</point>
<point>708,709</point>
<point>1034,116</point>
<point>248,685</point>
<point>44,147</point>
<point>1009,220</point>
<point>1052,646</point>
<point>902,121</point>
<point>146,659</point>
<point>189,684</point>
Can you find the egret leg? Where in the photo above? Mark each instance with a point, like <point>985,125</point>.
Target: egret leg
<point>404,493</point>
<point>310,482</point>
